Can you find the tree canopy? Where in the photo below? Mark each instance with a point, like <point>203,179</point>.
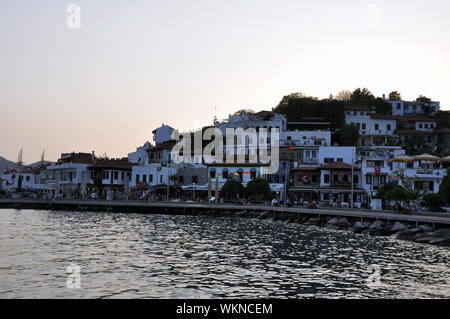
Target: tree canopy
<point>258,189</point>
<point>395,96</point>
<point>444,188</point>
<point>348,135</point>
<point>423,99</point>
<point>242,111</point>
<point>232,189</point>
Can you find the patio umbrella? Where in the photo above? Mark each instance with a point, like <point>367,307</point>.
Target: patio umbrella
<point>445,159</point>
<point>216,192</point>
<point>426,157</point>
<point>127,186</point>
<point>57,184</point>
<point>209,188</point>
<point>83,184</point>
<point>400,159</point>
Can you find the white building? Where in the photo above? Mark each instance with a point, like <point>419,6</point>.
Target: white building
<point>376,168</point>
<point>402,108</point>
<point>151,175</point>
<point>141,155</point>
<point>374,129</point>
<point>305,138</point>
<point>162,134</point>
<point>331,154</point>
<point>68,173</point>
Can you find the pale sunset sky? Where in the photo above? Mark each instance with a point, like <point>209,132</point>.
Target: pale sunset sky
<point>133,65</point>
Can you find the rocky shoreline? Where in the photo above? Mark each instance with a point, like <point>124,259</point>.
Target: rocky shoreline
<point>420,233</point>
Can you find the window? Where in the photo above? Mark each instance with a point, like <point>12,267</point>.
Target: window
<point>195,179</point>
<point>144,178</point>
<point>181,179</point>
<point>382,180</point>
<point>399,106</point>
<point>377,127</point>
<point>138,178</point>
<point>212,173</point>
<point>116,175</point>
<point>340,159</point>
<point>160,179</point>
<point>355,179</point>
<point>363,125</point>
<point>420,125</point>
<point>388,127</point>
<point>314,178</point>
<point>426,125</point>
<point>150,178</point>
<point>253,173</point>
<point>225,173</point>
<point>368,179</point>
<point>27,178</point>
<point>289,138</point>
<point>123,175</point>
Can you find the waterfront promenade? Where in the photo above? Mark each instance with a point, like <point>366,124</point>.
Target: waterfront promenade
<point>191,208</point>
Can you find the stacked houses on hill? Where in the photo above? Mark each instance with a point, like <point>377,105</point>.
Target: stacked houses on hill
<point>310,167</point>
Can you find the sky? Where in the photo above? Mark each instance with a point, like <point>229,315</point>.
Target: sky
<point>133,65</point>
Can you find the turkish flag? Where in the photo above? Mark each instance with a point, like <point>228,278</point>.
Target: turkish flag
<point>377,171</point>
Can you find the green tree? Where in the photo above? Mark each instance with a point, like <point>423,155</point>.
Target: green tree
<point>381,106</point>
<point>242,111</point>
<point>285,100</point>
<point>361,96</point>
<point>258,189</point>
<point>395,96</point>
<point>344,95</point>
<point>348,135</point>
<point>423,99</point>
<point>232,189</point>
<point>433,201</point>
<point>444,188</point>
<point>392,191</point>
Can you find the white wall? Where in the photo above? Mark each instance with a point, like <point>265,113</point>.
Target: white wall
<point>336,152</point>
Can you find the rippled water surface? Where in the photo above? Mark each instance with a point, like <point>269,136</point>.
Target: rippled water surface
<point>160,256</point>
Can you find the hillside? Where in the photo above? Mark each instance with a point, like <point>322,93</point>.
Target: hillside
<point>5,164</point>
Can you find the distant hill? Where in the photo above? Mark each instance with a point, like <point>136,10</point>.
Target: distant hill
<point>5,164</point>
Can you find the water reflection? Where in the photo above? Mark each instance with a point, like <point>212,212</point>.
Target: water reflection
<point>161,256</point>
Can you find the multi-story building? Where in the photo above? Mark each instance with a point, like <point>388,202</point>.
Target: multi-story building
<point>374,129</point>
<point>69,173</point>
<point>141,155</point>
<point>110,177</point>
<point>402,108</point>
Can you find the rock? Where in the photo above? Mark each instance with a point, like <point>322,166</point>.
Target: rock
<point>386,230</point>
<point>332,221</point>
<point>313,221</point>
<point>398,227</point>
<point>360,226</point>
<point>426,228</point>
<point>424,237</point>
<point>343,221</point>
<point>396,235</point>
<point>263,215</point>
<point>375,224</point>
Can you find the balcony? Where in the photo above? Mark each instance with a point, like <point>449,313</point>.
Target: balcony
<point>341,184</point>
